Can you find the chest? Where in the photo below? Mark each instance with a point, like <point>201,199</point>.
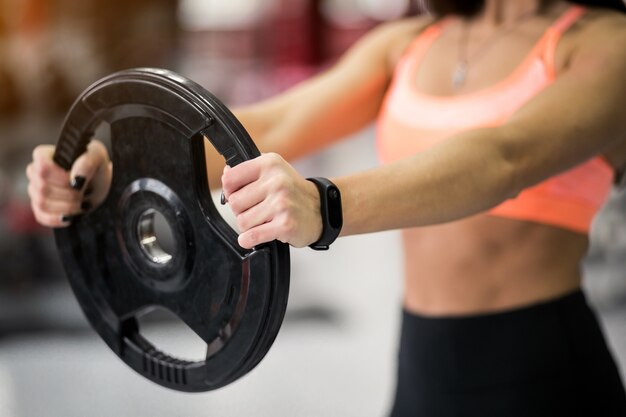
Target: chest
<point>482,60</point>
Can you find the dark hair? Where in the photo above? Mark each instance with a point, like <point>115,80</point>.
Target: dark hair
<point>611,4</point>
<point>459,7</point>
<point>471,7</point>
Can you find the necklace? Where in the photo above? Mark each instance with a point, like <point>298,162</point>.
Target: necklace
<point>459,75</point>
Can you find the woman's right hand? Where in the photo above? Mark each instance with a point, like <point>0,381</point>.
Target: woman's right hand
<point>56,196</point>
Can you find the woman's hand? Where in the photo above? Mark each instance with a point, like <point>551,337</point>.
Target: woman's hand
<point>57,195</point>
<point>272,202</point>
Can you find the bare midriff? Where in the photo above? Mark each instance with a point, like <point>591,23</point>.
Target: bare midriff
<point>484,264</point>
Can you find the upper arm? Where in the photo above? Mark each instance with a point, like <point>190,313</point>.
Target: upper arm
<point>333,104</point>
<point>581,114</point>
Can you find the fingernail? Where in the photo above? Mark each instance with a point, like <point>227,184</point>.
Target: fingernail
<point>223,198</point>
<point>68,218</point>
<point>86,206</point>
<point>78,182</point>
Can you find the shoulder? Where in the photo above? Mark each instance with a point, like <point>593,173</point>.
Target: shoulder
<point>600,21</point>
<point>598,40</point>
<point>406,26</point>
<point>602,30</point>
<point>389,40</point>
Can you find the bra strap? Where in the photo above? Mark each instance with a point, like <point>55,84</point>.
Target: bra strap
<point>568,18</point>
<point>554,33</point>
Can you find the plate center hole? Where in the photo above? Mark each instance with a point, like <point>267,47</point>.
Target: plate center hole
<point>156,237</point>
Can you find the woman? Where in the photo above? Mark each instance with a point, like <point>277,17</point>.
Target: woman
<point>501,127</point>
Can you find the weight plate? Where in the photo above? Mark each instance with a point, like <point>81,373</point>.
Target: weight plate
<point>233,298</point>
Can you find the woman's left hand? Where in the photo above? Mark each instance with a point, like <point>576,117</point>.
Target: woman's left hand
<point>272,201</point>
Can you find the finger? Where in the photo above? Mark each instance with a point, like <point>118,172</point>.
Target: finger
<point>263,233</point>
<point>44,168</point>
<point>239,176</point>
<point>87,165</point>
<point>247,197</point>
<point>52,220</point>
<point>40,189</point>
<point>55,207</point>
<point>255,216</point>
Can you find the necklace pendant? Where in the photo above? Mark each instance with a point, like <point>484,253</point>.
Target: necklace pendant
<point>459,75</point>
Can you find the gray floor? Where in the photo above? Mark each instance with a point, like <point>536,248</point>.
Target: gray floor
<point>333,357</point>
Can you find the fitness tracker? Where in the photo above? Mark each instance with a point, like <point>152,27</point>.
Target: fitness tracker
<point>330,207</point>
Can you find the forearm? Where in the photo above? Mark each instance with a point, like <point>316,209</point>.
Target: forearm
<point>465,175</point>
<point>313,115</point>
<point>260,121</point>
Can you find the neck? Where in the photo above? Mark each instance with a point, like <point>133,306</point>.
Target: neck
<point>498,13</point>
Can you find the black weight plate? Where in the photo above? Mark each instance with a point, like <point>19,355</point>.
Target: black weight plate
<point>234,299</point>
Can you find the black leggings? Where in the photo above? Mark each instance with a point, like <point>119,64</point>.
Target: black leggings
<point>549,360</point>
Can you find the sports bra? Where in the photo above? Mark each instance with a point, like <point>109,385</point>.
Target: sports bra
<point>410,122</point>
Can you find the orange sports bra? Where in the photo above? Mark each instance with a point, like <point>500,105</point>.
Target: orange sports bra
<point>411,122</point>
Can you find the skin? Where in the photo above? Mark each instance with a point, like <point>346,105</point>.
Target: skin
<point>458,261</point>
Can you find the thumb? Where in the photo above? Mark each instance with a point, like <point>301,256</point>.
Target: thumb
<point>94,168</point>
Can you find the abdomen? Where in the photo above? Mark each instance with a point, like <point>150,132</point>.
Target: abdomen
<point>486,263</point>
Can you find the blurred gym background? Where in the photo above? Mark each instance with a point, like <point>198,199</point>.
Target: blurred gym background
<point>335,353</point>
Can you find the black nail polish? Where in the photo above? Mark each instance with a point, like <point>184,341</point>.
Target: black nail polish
<point>223,198</point>
<point>78,182</point>
<point>68,218</point>
<point>86,206</point>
